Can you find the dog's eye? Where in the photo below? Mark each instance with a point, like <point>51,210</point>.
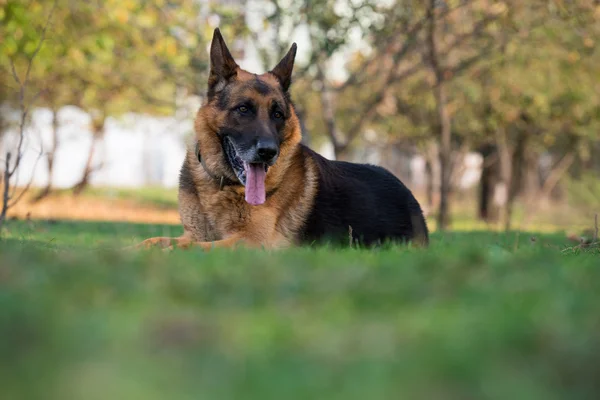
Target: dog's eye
<point>277,115</point>
<point>243,109</point>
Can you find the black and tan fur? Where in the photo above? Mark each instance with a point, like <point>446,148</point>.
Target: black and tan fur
<point>308,198</point>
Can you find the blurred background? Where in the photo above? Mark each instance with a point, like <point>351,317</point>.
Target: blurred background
<point>488,110</point>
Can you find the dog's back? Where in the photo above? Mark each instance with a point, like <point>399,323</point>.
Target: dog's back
<point>366,200</point>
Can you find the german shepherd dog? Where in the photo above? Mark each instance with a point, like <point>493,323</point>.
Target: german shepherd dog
<point>249,180</point>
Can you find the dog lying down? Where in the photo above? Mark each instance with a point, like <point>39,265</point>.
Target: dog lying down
<point>249,181</point>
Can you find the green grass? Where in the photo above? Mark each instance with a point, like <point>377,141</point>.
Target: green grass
<point>478,315</point>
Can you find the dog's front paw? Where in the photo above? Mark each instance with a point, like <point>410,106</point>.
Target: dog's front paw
<point>164,243</point>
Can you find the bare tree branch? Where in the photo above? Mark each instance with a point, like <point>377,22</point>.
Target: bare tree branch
<point>14,73</point>
<point>392,76</point>
<point>595,228</point>
<point>358,76</point>
<point>552,180</point>
<point>28,186</point>
<point>444,121</point>
<point>5,189</point>
<point>8,196</point>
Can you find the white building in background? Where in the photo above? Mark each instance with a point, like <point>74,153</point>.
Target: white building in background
<point>137,150</point>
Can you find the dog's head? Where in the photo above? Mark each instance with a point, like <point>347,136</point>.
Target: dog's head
<point>249,119</point>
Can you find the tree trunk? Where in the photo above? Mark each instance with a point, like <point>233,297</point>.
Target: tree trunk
<point>595,158</point>
<point>519,165</point>
<point>51,156</point>
<point>432,169</point>
<point>429,183</point>
<point>445,150</point>
<point>444,122</point>
<point>329,119</point>
<point>5,188</point>
<point>97,135</point>
<point>490,177</point>
<point>502,187</point>
<point>87,172</point>
<point>531,176</point>
<point>302,120</point>
<point>515,181</point>
<point>557,172</point>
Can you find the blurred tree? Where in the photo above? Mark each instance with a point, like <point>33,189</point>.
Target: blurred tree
<point>419,101</point>
<point>403,39</point>
<point>21,28</point>
<point>330,27</point>
<point>108,58</point>
<point>539,97</point>
<point>515,81</point>
<point>130,56</point>
<point>20,69</point>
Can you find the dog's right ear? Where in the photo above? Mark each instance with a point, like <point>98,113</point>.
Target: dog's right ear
<point>222,65</point>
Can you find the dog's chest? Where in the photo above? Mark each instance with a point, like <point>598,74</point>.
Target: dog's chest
<point>227,212</point>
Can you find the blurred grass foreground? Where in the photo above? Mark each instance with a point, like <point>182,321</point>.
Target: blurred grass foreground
<point>514,316</point>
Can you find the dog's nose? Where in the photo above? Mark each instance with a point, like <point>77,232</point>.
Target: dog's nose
<point>266,150</point>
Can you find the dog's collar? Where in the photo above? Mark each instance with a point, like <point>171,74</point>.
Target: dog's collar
<point>223,180</point>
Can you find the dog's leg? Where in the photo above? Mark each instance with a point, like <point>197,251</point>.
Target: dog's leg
<point>160,242</point>
<point>185,241</point>
<point>229,243</point>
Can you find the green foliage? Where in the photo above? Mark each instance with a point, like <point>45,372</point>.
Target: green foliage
<point>503,60</point>
<point>488,321</point>
<point>545,70</point>
<point>537,59</point>
<point>113,56</point>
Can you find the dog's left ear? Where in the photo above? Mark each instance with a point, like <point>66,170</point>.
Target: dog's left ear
<point>283,70</point>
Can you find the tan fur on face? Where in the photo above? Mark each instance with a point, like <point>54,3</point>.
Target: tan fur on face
<point>209,120</point>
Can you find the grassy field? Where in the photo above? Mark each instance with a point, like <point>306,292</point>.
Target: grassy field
<point>478,315</point>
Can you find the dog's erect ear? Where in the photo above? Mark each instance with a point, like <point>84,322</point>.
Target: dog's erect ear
<point>283,70</point>
<point>222,64</point>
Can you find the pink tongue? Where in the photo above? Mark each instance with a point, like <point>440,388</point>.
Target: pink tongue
<point>255,183</point>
